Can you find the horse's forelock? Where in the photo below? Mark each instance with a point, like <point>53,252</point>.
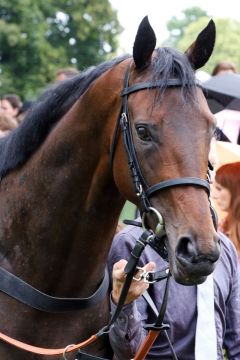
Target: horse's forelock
<point>170,63</point>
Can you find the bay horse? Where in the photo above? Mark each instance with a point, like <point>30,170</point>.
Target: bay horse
<point>65,177</point>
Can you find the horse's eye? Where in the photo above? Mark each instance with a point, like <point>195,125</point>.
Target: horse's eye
<point>143,133</point>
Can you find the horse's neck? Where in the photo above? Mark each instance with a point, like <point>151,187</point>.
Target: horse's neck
<point>70,202</point>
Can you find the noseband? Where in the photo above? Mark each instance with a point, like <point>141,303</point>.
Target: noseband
<point>142,189</point>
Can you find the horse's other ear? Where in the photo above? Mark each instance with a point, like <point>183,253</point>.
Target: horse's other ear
<point>201,50</point>
<point>144,44</point>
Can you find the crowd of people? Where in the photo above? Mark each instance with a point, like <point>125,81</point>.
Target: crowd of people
<point>13,109</point>
<point>128,331</point>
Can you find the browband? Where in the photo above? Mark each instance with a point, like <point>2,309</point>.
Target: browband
<point>159,83</point>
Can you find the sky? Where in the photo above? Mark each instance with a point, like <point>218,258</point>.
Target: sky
<point>131,12</point>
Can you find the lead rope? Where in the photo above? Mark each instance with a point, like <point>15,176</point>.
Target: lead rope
<point>45,351</point>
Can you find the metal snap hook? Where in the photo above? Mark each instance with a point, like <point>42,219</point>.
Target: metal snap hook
<point>65,350</point>
<point>142,274</point>
<point>160,224</point>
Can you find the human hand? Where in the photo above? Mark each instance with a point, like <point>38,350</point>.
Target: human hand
<point>136,289</point>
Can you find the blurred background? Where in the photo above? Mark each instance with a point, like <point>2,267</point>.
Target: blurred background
<point>39,37</point>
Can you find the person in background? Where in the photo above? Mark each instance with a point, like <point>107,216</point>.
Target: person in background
<point>7,123</point>
<point>11,104</point>
<point>66,73</point>
<point>226,194</point>
<point>224,67</point>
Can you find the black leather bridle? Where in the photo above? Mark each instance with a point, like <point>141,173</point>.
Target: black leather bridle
<point>142,189</point>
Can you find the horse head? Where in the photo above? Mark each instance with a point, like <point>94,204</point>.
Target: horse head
<point>170,128</point>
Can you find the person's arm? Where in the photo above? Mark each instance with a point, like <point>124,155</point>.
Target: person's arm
<point>127,333</point>
<point>232,334</point>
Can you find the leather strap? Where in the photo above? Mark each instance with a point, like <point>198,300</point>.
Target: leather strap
<point>157,276</point>
<point>28,295</point>
<point>146,345</point>
<point>179,182</point>
<point>129,270</point>
<point>83,356</point>
<point>154,329</point>
<point>45,351</point>
<point>152,306</point>
<point>156,84</point>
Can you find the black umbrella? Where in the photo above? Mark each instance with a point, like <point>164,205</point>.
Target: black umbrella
<point>223,91</point>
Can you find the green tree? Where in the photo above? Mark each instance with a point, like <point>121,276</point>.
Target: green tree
<point>177,25</point>
<point>38,37</point>
<point>227,40</point>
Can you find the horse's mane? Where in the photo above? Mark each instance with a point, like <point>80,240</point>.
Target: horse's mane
<point>21,143</point>
<point>18,146</point>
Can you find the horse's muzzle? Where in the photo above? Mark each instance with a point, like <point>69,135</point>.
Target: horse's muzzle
<point>192,264</point>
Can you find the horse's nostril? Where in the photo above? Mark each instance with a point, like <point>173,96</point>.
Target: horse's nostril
<point>186,248</point>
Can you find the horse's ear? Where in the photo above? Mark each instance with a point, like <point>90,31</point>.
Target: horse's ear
<point>201,50</point>
<point>144,44</point>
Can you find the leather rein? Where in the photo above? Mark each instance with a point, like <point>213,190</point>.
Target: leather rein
<point>18,289</point>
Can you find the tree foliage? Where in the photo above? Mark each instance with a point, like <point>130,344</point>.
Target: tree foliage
<point>184,29</point>
<point>177,25</point>
<point>227,40</point>
<point>38,37</point>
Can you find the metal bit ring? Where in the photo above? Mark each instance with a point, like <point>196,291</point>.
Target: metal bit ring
<point>65,350</point>
<point>160,224</point>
